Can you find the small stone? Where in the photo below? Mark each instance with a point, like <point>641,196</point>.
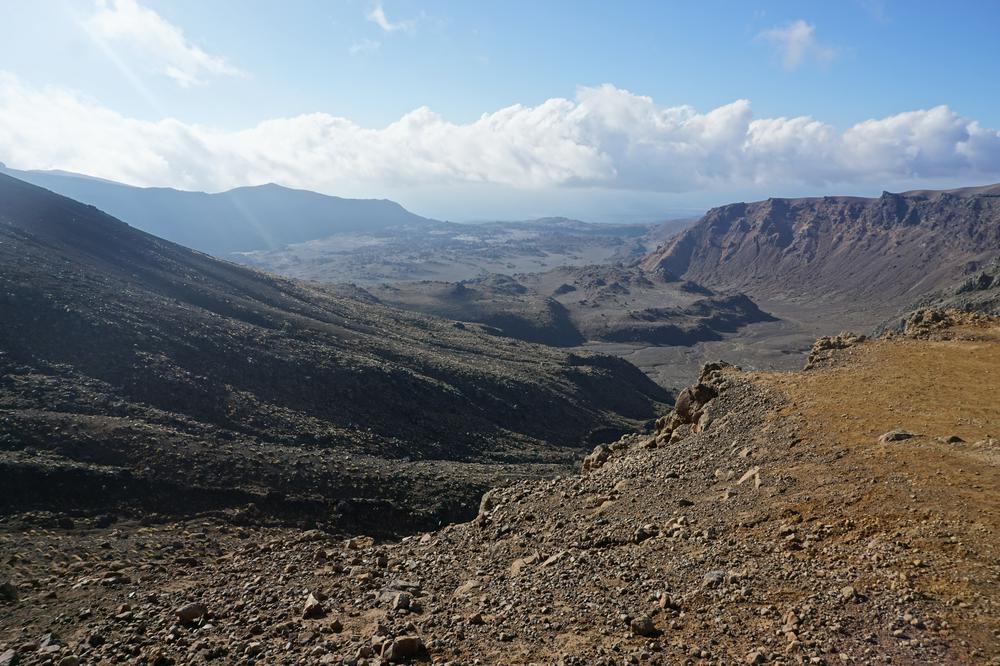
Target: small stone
<point>402,601</point>
<point>643,626</point>
<point>518,565</point>
<point>755,657</point>
<point>665,601</point>
<point>404,647</point>
<point>191,613</point>
<point>552,559</point>
<point>713,579</point>
<point>8,658</point>
<point>8,593</point>
<point>752,473</point>
<point>50,643</point>
<point>313,608</point>
<point>848,592</point>
<point>645,532</point>
<point>897,435</point>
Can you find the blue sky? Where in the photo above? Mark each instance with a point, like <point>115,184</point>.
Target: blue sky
<point>198,79</point>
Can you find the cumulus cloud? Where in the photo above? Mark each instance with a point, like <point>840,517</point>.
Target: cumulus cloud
<point>378,17</point>
<point>796,44</point>
<point>603,138</point>
<point>152,38</point>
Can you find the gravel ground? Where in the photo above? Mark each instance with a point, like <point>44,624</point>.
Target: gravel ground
<point>758,524</point>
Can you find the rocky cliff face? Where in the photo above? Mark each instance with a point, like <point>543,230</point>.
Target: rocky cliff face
<point>890,249</point>
<point>979,292</point>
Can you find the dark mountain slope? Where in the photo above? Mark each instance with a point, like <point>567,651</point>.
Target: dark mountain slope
<point>889,250</point>
<point>134,354</point>
<point>242,219</point>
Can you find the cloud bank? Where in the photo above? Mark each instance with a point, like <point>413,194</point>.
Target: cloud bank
<point>151,37</point>
<point>604,138</point>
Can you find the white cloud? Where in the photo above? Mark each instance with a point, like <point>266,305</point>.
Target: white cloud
<point>364,46</point>
<point>158,42</point>
<point>796,44</point>
<point>603,138</point>
<point>378,17</point>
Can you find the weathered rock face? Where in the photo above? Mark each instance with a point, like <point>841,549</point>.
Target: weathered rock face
<point>691,414</point>
<point>979,292</point>
<point>887,250</point>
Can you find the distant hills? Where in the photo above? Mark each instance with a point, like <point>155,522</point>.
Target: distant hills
<point>889,250</point>
<point>243,219</point>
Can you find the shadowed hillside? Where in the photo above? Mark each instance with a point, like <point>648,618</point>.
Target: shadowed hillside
<point>137,371</point>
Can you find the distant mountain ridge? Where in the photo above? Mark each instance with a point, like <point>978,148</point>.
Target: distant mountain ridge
<point>243,219</point>
<point>889,249</point>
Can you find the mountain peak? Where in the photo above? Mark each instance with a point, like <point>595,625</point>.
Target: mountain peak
<point>259,217</point>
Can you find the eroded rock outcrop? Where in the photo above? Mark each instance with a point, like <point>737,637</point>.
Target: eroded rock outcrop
<point>930,322</point>
<point>824,348</point>
<point>691,411</point>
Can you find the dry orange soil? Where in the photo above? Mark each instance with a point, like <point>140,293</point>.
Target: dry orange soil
<point>942,497</point>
